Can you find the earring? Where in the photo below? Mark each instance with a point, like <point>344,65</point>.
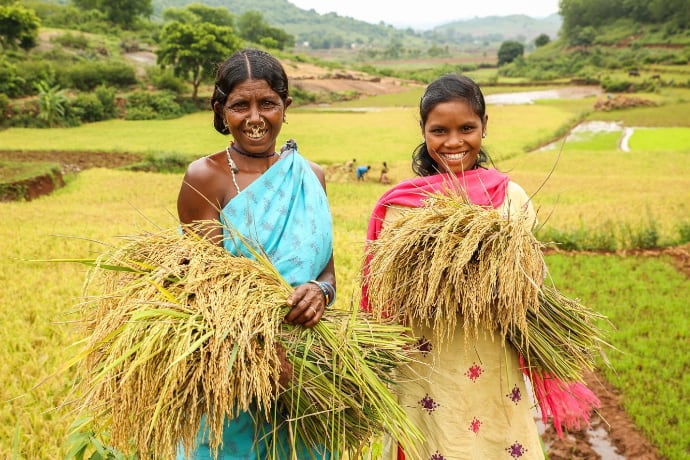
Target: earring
<point>483,135</point>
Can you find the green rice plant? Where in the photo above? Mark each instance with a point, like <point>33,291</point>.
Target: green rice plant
<point>645,300</point>
<point>177,329</point>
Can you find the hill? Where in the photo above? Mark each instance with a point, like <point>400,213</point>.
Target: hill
<point>342,31</point>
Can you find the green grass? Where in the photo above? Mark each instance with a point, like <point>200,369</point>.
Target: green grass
<point>646,299</point>
<point>12,171</point>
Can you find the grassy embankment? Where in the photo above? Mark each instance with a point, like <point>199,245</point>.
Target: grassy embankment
<point>594,186</point>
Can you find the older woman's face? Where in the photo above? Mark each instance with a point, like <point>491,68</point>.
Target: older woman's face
<point>254,114</point>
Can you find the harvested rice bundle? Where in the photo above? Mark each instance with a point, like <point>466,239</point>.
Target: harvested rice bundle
<point>181,329</point>
<point>451,259</point>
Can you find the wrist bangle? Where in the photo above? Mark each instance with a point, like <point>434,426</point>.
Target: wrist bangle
<point>331,289</point>
<point>324,291</point>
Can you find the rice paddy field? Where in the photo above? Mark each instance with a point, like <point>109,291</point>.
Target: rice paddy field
<point>585,187</point>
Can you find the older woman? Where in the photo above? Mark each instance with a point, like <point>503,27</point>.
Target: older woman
<point>278,202</point>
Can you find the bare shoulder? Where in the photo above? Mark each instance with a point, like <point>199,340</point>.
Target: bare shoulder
<point>318,170</point>
<point>205,180</point>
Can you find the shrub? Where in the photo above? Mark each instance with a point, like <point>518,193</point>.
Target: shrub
<point>616,86</point>
<point>165,79</point>
<point>106,95</point>
<point>143,105</point>
<point>11,83</point>
<point>70,40</point>
<point>86,76</point>
<point>88,107</point>
<point>684,232</point>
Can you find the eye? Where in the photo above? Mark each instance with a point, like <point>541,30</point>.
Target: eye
<point>268,105</point>
<point>238,107</point>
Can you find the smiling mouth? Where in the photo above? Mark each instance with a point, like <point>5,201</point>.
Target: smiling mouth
<point>455,156</point>
<point>255,131</point>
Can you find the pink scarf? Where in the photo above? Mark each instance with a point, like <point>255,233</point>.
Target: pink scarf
<point>565,403</point>
<point>485,187</point>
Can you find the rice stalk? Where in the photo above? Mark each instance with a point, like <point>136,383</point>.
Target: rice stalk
<point>178,329</point>
<point>450,263</point>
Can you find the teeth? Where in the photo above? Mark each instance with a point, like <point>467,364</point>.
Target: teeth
<point>256,132</point>
<point>455,156</point>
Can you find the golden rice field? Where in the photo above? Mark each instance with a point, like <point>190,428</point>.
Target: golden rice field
<point>592,184</point>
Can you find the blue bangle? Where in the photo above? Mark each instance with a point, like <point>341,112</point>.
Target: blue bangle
<point>331,290</point>
<point>324,291</point>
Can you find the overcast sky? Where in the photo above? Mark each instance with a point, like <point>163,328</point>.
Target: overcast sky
<point>427,13</point>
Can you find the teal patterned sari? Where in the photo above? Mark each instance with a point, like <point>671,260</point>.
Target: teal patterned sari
<point>285,212</point>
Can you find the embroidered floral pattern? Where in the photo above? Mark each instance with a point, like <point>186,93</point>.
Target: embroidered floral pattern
<point>515,395</point>
<point>428,404</point>
<point>424,346</point>
<point>474,372</point>
<point>516,450</point>
<point>437,456</point>
<point>474,425</point>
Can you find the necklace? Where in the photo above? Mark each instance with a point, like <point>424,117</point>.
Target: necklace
<point>233,170</point>
<point>252,155</point>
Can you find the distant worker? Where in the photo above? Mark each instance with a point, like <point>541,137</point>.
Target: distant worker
<point>350,164</point>
<point>361,171</point>
<point>384,174</point>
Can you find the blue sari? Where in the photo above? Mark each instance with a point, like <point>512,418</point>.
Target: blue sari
<point>285,212</point>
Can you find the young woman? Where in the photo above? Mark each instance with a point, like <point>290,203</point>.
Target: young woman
<point>468,396</point>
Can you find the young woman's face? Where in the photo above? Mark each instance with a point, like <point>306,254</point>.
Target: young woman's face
<point>453,135</point>
<point>254,114</point>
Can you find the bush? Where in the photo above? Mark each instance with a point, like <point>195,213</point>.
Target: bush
<point>86,76</point>
<point>165,79</point>
<point>143,105</point>
<point>88,108</point>
<point>70,40</point>
<point>684,232</point>
<point>11,83</point>
<point>106,95</point>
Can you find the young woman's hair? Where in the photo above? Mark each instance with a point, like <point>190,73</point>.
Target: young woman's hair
<point>447,88</point>
<point>246,64</point>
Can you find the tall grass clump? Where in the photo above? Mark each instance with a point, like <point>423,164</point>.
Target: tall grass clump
<point>178,329</point>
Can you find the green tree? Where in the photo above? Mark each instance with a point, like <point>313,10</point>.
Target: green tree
<point>191,48</point>
<point>18,27</point>
<point>121,12</point>
<point>509,51</point>
<point>252,27</point>
<point>541,40</point>
<point>197,12</point>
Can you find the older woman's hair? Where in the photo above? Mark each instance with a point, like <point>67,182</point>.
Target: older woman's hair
<point>446,88</point>
<point>246,64</point>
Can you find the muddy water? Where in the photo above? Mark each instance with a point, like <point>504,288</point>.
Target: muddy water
<point>528,97</point>
<point>596,435</point>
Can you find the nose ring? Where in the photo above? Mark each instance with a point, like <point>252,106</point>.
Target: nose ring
<point>261,125</point>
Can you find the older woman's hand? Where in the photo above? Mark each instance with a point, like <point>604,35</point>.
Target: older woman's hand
<point>308,304</point>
